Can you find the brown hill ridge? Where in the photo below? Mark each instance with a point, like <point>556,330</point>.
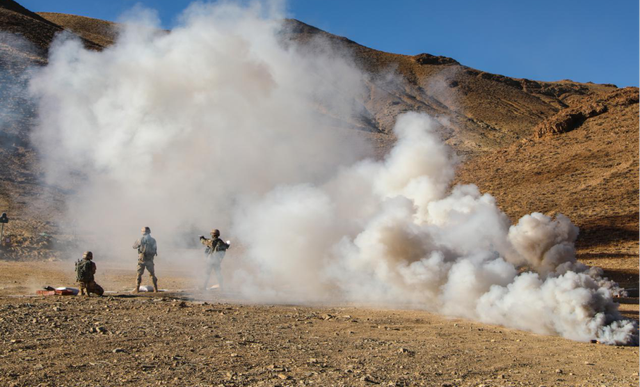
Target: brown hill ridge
<point>18,20</point>
<point>100,32</point>
<point>483,110</point>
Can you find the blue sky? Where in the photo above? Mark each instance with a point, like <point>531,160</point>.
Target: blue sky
<point>544,40</point>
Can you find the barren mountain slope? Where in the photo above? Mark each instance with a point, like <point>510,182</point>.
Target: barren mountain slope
<point>101,32</point>
<point>482,110</point>
<point>479,110</point>
<point>11,5</point>
<point>25,38</point>
<point>16,19</point>
<point>589,173</point>
<point>38,32</point>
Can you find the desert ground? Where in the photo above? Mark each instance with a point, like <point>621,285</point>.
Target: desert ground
<point>185,337</point>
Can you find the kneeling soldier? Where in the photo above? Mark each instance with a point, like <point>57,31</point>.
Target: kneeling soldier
<point>85,270</point>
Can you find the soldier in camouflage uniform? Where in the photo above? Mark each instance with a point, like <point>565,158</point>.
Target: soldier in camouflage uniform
<point>147,250</point>
<point>85,271</point>
<point>214,253</point>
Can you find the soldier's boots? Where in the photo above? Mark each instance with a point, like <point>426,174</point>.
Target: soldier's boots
<point>155,287</point>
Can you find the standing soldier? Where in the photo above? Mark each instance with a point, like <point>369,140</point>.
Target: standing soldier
<point>147,250</point>
<point>214,253</point>
<point>85,271</point>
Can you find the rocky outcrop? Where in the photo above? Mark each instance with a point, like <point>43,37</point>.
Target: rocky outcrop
<point>572,117</point>
<point>428,59</point>
<point>569,119</point>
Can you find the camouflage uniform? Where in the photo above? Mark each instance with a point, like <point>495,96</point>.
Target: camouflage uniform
<point>90,286</point>
<point>214,253</point>
<point>147,250</point>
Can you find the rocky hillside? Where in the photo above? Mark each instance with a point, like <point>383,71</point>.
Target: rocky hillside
<point>16,19</point>
<point>582,162</point>
<point>100,32</point>
<point>480,111</point>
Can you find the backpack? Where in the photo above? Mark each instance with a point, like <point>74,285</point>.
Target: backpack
<point>83,270</point>
<point>148,246</point>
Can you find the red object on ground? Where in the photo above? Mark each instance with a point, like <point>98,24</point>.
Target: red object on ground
<point>54,292</point>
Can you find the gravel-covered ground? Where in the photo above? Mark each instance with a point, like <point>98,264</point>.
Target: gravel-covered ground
<point>180,340</point>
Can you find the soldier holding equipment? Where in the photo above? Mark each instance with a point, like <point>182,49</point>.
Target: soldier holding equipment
<point>214,253</point>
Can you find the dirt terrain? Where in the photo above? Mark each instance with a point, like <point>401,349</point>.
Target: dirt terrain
<point>213,339</point>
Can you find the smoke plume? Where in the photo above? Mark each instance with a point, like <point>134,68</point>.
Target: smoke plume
<point>223,123</point>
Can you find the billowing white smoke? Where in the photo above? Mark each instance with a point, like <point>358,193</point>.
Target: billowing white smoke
<point>220,123</point>
<point>391,232</point>
<point>170,129</point>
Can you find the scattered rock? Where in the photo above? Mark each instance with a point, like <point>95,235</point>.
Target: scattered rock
<point>368,379</point>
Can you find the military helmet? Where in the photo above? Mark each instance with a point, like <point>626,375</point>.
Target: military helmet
<point>87,255</point>
<point>146,230</point>
<point>215,232</point>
